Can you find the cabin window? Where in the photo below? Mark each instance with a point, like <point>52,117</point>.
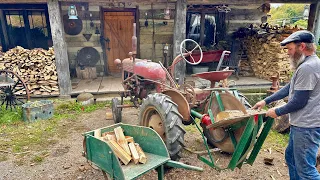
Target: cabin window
<point>27,27</point>
<point>214,25</point>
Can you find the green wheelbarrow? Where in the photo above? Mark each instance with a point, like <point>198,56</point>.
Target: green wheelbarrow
<point>99,153</point>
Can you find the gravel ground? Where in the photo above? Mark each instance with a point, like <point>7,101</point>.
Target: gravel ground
<point>65,160</point>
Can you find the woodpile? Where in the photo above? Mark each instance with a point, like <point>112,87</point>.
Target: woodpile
<point>245,68</point>
<point>123,146</point>
<point>267,57</point>
<point>36,67</point>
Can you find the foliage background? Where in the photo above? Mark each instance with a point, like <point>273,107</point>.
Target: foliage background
<point>293,13</point>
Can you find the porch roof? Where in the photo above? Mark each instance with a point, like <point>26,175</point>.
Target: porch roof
<point>233,2</point>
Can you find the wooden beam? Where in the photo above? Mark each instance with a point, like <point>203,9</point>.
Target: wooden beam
<point>103,43</point>
<point>202,27</point>
<point>233,2</point>
<point>137,17</point>
<point>317,24</point>
<point>312,17</point>
<point>248,2</point>
<point>22,1</point>
<point>60,47</point>
<point>27,29</point>
<point>179,34</point>
<point>4,33</point>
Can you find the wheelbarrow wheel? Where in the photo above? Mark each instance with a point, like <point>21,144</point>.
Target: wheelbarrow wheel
<point>160,113</point>
<point>116,112</point>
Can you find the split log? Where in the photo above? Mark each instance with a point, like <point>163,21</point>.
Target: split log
<point>97,133</point>
<point>142,156</point>
<point>134,152</point>
<point>129,139</point>
<point>119,152</point>
<point>121,139</point>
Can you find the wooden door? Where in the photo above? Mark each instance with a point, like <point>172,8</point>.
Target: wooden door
<point>118,27</point>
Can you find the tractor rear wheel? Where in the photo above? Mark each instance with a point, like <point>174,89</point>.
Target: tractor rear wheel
<point>160,113</point>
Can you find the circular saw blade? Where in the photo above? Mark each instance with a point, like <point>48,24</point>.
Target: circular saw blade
<point>231,105</point>
<point>72,26</point>
<point>88,56</point>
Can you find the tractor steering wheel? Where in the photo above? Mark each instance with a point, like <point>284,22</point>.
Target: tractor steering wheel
<point>185,53</point>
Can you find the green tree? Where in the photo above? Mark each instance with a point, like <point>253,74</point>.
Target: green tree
<point>294,12</point>
<point>302,23</point>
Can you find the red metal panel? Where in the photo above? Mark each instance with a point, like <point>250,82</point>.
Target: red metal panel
<point>214,76</point>
<point>144,68</point>
<point>208,56</point>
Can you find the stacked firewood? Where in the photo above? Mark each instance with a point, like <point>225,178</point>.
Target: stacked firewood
<point>36,67</point>
<point>123,146</point>
<point>245,68</point>
<point>267,57</point>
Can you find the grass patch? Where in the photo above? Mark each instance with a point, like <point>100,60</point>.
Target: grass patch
<point>37,159</point>
<point>74,107</point>
<point>23,136</point>
<point>276,140</point>
<point>8,116</point>
<point>17,136</point>
<point>192,127</point>
<point>253,90</point>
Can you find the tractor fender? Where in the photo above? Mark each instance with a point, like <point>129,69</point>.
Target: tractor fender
<point>181,101</point>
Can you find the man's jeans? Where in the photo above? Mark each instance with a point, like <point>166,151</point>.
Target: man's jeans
<point>301,153</point>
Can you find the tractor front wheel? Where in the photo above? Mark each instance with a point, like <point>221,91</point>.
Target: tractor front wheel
<point>160,113</point>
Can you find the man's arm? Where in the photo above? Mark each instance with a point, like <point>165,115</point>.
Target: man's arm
<point>282,93</point>
<point>298,101</point>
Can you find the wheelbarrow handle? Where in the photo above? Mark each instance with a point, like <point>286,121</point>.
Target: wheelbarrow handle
<point>176,164</point>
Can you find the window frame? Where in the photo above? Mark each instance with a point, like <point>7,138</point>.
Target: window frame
<point>26,10</point>
<point>204,10</point>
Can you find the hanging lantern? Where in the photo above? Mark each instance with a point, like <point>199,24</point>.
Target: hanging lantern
<point>167,13</point>
<point>72,12</point>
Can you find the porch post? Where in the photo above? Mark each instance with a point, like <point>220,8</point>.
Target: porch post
<point>312,16</point>
<point>60,47</point>
<point>179,35</point>
<point>3,30</point>
<point>317,24</point>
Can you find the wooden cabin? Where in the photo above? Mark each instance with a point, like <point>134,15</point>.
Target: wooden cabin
<point>103,31</point>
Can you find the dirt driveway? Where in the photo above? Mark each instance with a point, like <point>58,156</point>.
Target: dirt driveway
<point>65,161</point>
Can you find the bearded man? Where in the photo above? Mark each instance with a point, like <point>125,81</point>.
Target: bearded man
<point>303,106</point>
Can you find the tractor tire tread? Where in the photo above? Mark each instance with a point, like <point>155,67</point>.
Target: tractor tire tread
<point>172,121</point>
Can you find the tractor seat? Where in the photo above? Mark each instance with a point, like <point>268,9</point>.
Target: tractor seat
<point>214,76</point>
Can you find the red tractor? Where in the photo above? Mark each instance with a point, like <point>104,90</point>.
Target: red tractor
<point>165,105</point>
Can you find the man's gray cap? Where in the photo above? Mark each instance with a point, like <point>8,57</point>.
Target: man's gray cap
<point>299,36</point>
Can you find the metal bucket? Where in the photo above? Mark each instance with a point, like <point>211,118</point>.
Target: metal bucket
<point>33,111</point>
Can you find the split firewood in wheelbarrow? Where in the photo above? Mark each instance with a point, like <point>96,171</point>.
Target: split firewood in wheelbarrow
<point>123,146</point>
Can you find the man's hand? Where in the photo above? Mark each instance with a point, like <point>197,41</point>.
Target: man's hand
<point>271,113</point>
<point>259,105</point>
